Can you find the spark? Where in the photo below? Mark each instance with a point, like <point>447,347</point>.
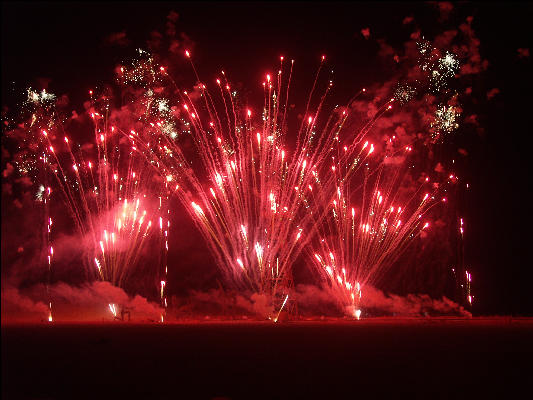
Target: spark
<point>445,120</point>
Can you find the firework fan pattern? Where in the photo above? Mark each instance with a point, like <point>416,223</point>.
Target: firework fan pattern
<point>116,204</point>
<point>256,203</point>
<point>366,231</point>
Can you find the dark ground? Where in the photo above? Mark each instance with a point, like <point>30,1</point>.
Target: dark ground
<point>378,358</point>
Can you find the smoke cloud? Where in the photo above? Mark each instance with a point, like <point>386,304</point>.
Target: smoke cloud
<point>86,303</point>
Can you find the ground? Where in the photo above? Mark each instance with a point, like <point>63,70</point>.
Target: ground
<point>377,358</point>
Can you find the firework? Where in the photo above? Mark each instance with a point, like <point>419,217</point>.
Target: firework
<point>30,161</point>
<point>368,228</point>
<point>256,202</point>
<point>439,67</point>
<point>404,93</point>
<point>468,281</point>
<point>446,120</point>
<point>117,206</point>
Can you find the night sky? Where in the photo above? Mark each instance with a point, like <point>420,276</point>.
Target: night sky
<point>68,47</point>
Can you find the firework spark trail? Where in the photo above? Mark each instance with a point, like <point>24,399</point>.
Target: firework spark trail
<point>263,202</point>
<point>465,281</point>
<point>357,244</point>
<point>109,199</point>
<point>164,227</point>
<point>48,234</point>
<point>281,308</point>
<point>468,281</point>
<point>44,195</point>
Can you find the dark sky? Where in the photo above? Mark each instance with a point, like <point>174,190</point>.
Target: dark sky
<point>66,43</point>
<point>68,40</point>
